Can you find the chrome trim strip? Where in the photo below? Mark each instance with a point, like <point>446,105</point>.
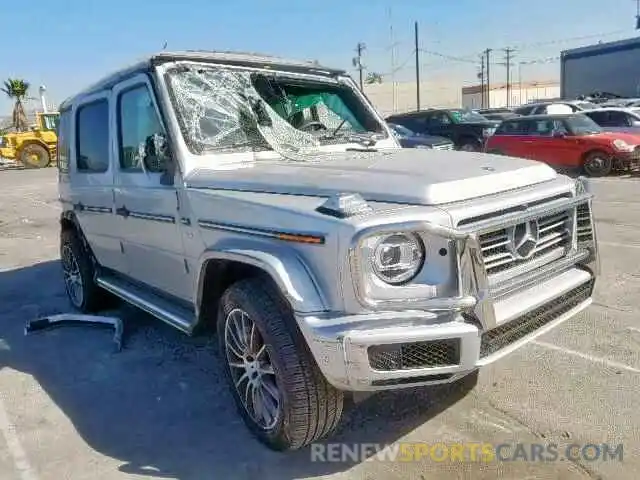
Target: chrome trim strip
<point>91,209</point>
<point>151,217</point>
<point>511,219</point>
<point>520,282</point>
<point>143,304</point>
<point>256,231</point>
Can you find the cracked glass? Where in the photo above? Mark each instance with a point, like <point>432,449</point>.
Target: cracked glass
<point>225,110</point>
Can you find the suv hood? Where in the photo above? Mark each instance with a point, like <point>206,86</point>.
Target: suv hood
<point>409,176</point>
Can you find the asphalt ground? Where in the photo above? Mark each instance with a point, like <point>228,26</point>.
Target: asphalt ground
<point>72,408</point>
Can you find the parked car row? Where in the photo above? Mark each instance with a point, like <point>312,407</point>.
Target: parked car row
<point>567,134</point>
<point>570,141</point>
<point>467,129</point>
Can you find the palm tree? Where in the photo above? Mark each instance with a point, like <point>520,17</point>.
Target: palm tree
<point>17,89</point>
<point>373,77</point>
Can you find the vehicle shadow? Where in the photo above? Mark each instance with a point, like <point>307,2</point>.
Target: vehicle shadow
<point>161,406</point>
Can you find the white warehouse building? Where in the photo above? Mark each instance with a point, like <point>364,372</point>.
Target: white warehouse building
<point>519,93</point>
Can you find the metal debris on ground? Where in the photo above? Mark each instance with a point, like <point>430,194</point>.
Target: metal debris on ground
<point>77,319</point>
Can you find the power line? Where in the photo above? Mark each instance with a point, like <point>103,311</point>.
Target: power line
<point>449,57</point>
<point>526,46</point>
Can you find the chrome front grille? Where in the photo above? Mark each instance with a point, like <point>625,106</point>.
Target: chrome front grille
<point>553,241</point>
<point>443,146</point>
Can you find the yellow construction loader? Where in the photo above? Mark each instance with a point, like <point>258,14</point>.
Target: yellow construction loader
<point>36,147</point>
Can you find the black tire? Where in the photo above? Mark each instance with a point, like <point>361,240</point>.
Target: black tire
<point>470,145</point>
<point>77,261</point>
<point>310,407</point>
<point>597,164</point>
<point>34,155</point>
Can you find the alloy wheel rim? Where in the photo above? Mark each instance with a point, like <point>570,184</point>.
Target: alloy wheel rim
<point>72,277</point>
<point>597,163</point>
<point>251,369</point>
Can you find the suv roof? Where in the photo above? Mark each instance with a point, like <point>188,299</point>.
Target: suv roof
<point>243,59</point>
<point>542,116</point>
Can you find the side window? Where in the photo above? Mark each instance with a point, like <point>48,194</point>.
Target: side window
<point>559,127</point>
<point>64,137</point>
<point>92,137</point>
<point>619,119</point>
<point>417,123</point>
<point>510,128</point>
<point>543,128</point>
<point>141,138</point>
<point>599,117</point>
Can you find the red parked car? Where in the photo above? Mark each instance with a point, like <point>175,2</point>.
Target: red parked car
<point>566,140</point>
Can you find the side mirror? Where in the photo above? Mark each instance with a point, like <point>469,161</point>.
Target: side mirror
<point>156,153</point>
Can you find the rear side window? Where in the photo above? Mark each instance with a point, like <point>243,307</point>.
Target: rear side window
<point>511,128</point>
<point>524,110</point>
<point>600,118</point>
<point>619,119</point>
<point>92,137</point>
<point>64,144</point>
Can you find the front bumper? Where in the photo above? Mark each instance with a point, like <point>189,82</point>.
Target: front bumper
<point>448,338</point>
<point>627,160</point>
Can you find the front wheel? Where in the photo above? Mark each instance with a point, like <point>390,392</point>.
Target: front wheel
<point>279,390</point>
<point>598,164</point>
<point>34,155</point>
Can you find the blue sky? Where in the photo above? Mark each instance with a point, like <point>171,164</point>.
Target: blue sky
<point>84,39</point>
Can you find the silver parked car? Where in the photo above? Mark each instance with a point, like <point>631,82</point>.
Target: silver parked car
<point>268,198</point>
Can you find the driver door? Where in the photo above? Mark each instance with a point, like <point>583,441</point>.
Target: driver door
<point>146,199</point>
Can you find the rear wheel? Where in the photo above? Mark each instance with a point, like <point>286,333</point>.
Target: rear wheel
<point>34,155</point>
<point>279,390</point>
<point>470,145</point>
<point>79,274</point>
<point>598,164</point>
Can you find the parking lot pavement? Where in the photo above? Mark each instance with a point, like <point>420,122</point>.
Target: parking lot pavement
<point>71,408</point>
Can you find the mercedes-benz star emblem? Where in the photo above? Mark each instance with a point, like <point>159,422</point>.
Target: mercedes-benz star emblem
<point>523,239</point>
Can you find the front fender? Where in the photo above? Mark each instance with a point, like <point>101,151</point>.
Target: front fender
<point>287,269</point>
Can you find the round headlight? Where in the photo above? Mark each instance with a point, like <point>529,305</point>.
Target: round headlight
<point>397,258</point>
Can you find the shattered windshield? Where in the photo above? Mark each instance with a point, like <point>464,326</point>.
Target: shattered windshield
<point>220,109</point>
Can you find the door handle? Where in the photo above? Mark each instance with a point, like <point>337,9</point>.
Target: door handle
<point>78,206</point>
<point>122,211</point>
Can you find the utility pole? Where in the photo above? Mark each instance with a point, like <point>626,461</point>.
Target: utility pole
<point>481,75</point>
<point>357,62</point>
<point>487,53</point>
<point>417,66</point>
<point>637,14</point>
<point>508,52</point>
<point>394,92</point>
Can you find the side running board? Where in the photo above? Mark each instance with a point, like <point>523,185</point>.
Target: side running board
<point>159,307</point>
